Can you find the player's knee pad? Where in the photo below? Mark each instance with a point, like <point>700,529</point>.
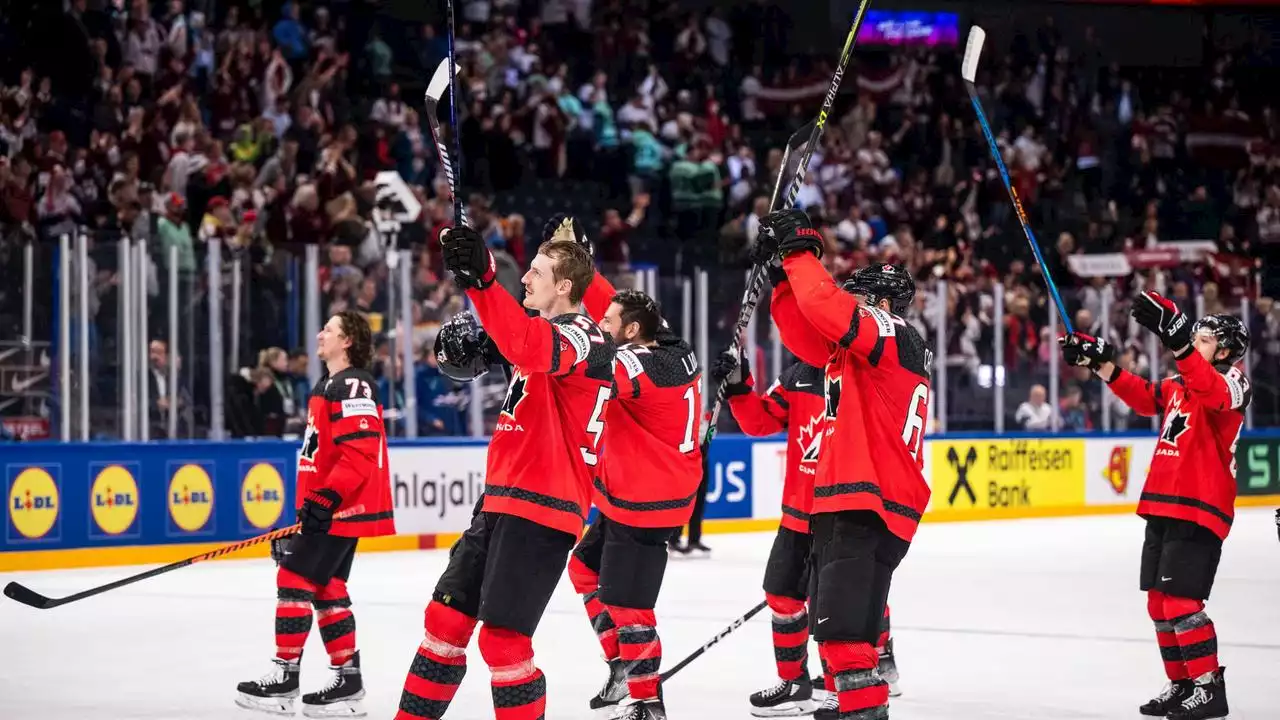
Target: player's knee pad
<point>287,579</point>
<point>846,601</point>
<point>624,617</point>
<point>335,589</point>
<point>1155,605</point>
<point>787,570</point>
<point>841,655</point>
<point>631,574</point>
<point>509,654</point>
<point>1176,607</point>
<point>782,605</point>
<point>584,579</point>
<point>449,625</point>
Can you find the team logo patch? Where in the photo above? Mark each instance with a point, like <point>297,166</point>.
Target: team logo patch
<point>515,394</point>
<point>810,440</point>
<point>1176,423</point>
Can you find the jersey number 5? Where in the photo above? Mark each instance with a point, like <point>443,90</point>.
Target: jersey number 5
<point>595,426</point>
<point>913,428</point>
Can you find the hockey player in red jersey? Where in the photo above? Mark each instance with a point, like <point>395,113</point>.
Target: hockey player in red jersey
<point>869,491</point>
<point>342,465</point>
<point>794,403</point>
<point>649,472</point>
<point>538,479</point>
<point>1189,497</point>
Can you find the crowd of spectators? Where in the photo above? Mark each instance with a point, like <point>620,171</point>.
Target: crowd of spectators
<point>264,124</point>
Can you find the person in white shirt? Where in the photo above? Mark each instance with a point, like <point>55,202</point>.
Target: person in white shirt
<point>1035,413</point>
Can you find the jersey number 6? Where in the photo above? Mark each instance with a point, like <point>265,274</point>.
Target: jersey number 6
<point>913,428</point>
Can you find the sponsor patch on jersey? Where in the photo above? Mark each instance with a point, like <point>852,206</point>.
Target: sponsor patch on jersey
<point>577,339</point>
<point>358,407</point>
<point>632,363</point>
<point>1237,385</point>
<point>884,322</point>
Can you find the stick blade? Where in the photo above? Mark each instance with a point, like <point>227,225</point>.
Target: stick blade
<point>27,596</point>
<point>439,82</point>
<point>972,52</point>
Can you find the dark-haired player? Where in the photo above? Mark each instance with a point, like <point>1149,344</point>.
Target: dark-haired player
<point>343,464</point>
<point>650,470</point>
<point>1189,497</point>
<point>538,480</point>
<point>870,492</point>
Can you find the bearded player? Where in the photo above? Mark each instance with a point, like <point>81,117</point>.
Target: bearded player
<point>343,466</point>
<point>1189,497</point>
<point>648,480</point>
<point>538,480</point>
<point>869,491</point>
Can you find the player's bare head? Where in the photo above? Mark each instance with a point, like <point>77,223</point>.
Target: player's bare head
<point>632,317</point>
<point>558,275</point>
<point>347,333</point>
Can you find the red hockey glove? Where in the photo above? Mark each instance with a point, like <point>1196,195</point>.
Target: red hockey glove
<point>1084,350</point>
<point>466,255</point>
<point>1159,315</point>
<point>316,513</point>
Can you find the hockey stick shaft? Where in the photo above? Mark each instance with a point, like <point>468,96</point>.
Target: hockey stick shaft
<point>719,636</point>
<point>26,596</point>
<point>969,67</point>
<point>755,280</point>
<point>444,78</point>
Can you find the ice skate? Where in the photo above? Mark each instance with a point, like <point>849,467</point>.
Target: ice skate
<point>272,693</point>
<point>644,710</point>
<point>1171,697</point>
<point>1207,699</point>
<point>788,698</point>
<point>829,709</point>
<point>888,668</point>
<point>341,697</point>
<point>615,687</point>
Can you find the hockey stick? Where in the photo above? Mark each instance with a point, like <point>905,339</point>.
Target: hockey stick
<point>755,281</point>
<point>719,636</point>
<point>969,72</point>
<point>27,596</point>
<point>443,79</point>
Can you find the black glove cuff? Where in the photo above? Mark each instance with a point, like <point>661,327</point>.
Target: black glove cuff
<point>776,274</point>
<point>735,389</point>
<point>1191,348</point>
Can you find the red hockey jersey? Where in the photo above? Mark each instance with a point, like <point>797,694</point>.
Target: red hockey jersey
<point>795,403</point>
<point>344,449</point>
<point>651,462</point>
<point>1193,472</point>
<point>544,450</point>
<point>876,387</point>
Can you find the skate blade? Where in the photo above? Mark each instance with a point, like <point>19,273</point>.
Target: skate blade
<point>271,706</point>
<point>894,690</point>
<point>342,709</point>
<point>791,709</point>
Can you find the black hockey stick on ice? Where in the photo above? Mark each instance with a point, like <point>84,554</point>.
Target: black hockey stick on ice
<point>27,596</point>
<point>443,79</point>
<point>755,281</point>
<point>719,636</point>
<point>969,73</point>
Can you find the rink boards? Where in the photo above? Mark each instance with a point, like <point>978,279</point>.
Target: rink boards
<point>84,504</point>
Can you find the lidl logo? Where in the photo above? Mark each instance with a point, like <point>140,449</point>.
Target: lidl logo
<point>262,495</point>
<point>113,500</point>
<point>190,498</point>
<point>34,503</point>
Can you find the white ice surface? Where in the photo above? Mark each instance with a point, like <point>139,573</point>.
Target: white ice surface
<point>1036,619</point>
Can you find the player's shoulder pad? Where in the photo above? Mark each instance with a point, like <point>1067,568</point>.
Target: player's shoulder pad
<point>629,358</point>
<point>1238,386</point>
<point>671,365</point>
<point>353,384</point>
<point>914,354</point>
<point>887,324</point>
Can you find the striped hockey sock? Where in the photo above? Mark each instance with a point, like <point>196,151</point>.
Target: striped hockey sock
<point>1188,640</point>
<point>439,665</point>
<point>519,688</point>
<point>337,624</point>
<point>790,635</point>
<point>586,582</point>
<point>641,650</point>
<point>294,595</point>
<point>861,692</point>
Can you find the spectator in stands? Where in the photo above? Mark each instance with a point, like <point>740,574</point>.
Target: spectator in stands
<point>1035,413</point>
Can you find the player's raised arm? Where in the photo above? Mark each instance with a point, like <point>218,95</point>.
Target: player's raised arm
<point>757,415</point>
<point>1142,396</point>
<point>797,334</point>
<point>1213,340</point>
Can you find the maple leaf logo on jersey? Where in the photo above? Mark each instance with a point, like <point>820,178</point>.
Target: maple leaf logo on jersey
<point>310,441</point>
<point>810,440</point>
<point>1175,424</point>
<point>515,394</point>
<point>832,391</point>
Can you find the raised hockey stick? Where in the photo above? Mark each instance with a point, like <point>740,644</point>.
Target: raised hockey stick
<point>755,281</point>
<point>27,596</point>
<point>719,636</point>
<point>444,78</point>
<point>969,73</point>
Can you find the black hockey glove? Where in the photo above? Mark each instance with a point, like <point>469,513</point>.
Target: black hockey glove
<point>784,232</point>
<point>1084,350</point>
<point>567,227</point>
<point>1159,315</point>
<point>735,370</point>
<point>316,514</point>
<point>280,548</point>
<point>467,257</point>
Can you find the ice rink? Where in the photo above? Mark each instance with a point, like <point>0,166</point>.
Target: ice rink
<point>1036,619</point>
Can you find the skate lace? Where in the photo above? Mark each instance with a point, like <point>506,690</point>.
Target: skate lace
<point>334,682</point>
<point>831,702</point>
<point>1196,699</point>
<point>782,688</point>
<point>276,675</point>
<point>1169,692</point>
